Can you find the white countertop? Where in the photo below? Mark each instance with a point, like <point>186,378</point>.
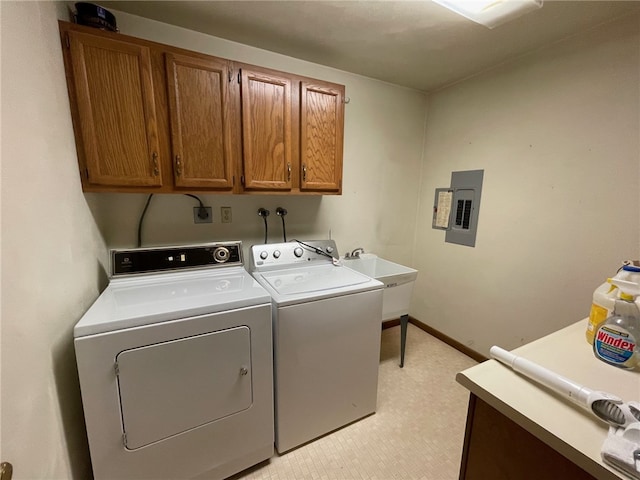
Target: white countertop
<point>556,421</point>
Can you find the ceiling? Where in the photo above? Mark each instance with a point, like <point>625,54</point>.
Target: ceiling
<point>417,44</point>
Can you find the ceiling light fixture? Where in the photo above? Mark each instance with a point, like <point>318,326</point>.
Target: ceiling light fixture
<point>491,13</point>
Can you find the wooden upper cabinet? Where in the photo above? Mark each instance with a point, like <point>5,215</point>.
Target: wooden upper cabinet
<point>117,116</point>
<point>266,130</point>
<point>150,117</point>
<point>321,136</point>
<point>199,106</point>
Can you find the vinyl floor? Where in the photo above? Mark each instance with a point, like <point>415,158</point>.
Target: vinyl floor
<point>416,433</point>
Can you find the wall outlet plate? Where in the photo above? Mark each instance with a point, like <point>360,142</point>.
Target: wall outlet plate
<point>225,214</point>
<point>207,219</point>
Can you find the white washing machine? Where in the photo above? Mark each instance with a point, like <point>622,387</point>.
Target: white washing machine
<point>326,327</point>
<point>175,366</point>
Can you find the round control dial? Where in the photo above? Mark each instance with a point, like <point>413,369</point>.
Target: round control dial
<point>264,254</point>
<point>298,252</point>
<point>221,254</point>
<point>329,249</point>
<point>276,254</point>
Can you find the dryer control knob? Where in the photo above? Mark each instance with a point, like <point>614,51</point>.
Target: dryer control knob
<point>298,252</point>
<point>221,254</point>
<point>329,249</point>
<point>276,254</point>
<point>264,254</point>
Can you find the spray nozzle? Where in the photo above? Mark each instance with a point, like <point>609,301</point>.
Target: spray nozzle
<point>628,290</point>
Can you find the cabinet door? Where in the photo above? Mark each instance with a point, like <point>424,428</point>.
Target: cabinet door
<point>198,108</point>
<point>266,130</point>
<point>321,136</point>
<point>117,115</point>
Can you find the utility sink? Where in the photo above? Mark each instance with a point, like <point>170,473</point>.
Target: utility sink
<point>390,273</point>
<point>398,285</point>
<point>398,282</point>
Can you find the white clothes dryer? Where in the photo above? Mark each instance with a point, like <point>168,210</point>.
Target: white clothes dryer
<point>326,327</point>
<point>175,366</point>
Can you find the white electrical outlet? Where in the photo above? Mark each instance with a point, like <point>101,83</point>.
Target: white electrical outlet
<point>225,214</point>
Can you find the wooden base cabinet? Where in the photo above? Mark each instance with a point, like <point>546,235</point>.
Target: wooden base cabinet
<point>497,448</point>
<point>158,119</point>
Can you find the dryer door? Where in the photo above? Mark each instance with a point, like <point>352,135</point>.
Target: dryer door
<point>171,387</point>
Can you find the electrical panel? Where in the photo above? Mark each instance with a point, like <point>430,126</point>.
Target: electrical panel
<point>456,209</point>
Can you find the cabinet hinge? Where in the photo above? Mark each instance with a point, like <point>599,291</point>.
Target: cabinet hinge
<point>124,438</point>
<point>233,180</point>
<point>116,368</point>
<point>240,76</point>
<point>67,42</point>
<point>230,75</point>
<point>242,180</point>
<point>86,173</point>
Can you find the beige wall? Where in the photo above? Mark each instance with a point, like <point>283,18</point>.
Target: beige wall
<point>557,134</point>
<point>384,126</point>
<point>51,252</point>
<point>52,234</point>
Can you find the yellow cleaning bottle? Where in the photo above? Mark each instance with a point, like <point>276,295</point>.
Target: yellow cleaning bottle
<point>616,340</point>
<point>604,298</point>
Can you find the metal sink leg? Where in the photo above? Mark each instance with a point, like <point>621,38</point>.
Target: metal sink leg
<point>404,320</point>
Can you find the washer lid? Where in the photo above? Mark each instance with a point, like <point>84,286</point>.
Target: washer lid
<point>318,278</point>
<point>140,301</point>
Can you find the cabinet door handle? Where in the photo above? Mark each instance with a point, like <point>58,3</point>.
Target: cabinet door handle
<point>178,165</point>
<point>156,167</point>
<point>288,172</point>
<point>6,471</point>
<point>304,172</point>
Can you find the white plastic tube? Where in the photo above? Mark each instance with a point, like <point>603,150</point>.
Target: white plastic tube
<point>603,405</point>
<point>562,385</point>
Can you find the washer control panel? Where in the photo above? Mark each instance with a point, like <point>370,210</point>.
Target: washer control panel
<point>161,259</point>
<point>295,253</point>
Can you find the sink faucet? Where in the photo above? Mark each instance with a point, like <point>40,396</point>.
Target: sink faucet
<point>355,254</point>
